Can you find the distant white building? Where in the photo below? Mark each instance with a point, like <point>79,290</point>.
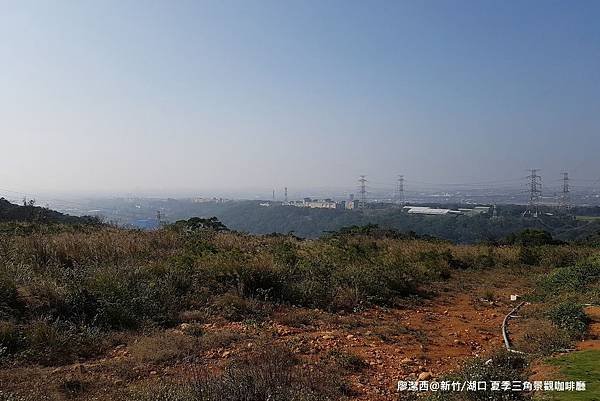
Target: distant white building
<point>427,210</point>
<point>440,211</point>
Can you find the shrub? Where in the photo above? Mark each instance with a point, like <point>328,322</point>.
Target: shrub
<point>489,295</point>
<point>270,374</point>
<point>126,298</point>
<point>220,339</point>
<point>296,317</point>
<point>380,284</point>
<point>531,237</point>
<point>162,347</point>
<point>56,343</point>
<point>11,339</point>
<point>310,285</point>
<point>192,329</point>
<point>529,256</point>
<point>285,254</point>
<point>577,277</point>
<point>347,361</point>
<point>543,338</point>
<point>10,305</point>
<point>73,387</point>
<point>485,261</point>
<point>235,308</point>
<point>263,282</point>
<point>502,365</point>
<point>571,317</point>
<point>346,299</point>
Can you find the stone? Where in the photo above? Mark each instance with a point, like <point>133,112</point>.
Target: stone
<point>424,376</point>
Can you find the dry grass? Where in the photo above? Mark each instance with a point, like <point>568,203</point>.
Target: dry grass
<point>163,347</point>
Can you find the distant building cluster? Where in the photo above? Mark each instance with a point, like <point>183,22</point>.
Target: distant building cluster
<point>354,204</point>
<point>323,204</point>
<point>210,200</point>
<point>439,212</point>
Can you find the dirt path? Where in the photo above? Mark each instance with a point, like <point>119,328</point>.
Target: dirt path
<point>434,337</point>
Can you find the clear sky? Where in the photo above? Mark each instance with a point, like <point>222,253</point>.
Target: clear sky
<point>125,96</point>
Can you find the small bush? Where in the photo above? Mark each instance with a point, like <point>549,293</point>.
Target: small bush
<point>236,308</point>
<point>571,317</point>
<point>531,237</point>
<point>192,329</point>
<point>296,317</point>
<point>220,339</point>
<point>347,361</point>
<point>285,254</point>
<point>192,316</point>
<point>543,338</point>
<point>270,374</point>
<point>489,295</point>
<point>529,256</point>
<point>11,340</point>
<point>502,365</point>
<point>127,298</point>
<point>162,347</point>
<point>73,387</point>
<point>572,278</point>
<point>10,305</point>
<point>55,342</point>
<point>485,261</point>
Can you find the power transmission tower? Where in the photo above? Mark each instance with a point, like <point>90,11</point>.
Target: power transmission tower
<point>400,190</point>
<point>273,194</point>
<point>362,191</point>
<point>535,194</point>
<point>565,198</point>
<point>285,197</point>
<point>158,217</point>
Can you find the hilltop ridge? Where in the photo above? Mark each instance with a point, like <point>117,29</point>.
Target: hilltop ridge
<point>10,212</point>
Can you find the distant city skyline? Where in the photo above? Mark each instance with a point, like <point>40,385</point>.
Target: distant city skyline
<point>224,97</point>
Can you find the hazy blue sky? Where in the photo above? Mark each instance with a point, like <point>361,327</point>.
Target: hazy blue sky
<point>174,95</point>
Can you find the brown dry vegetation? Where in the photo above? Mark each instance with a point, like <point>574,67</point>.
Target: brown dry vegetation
<point>203,314</point>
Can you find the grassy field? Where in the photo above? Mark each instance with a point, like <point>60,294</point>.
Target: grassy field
<point>100,313</point>
<point>577,366</point>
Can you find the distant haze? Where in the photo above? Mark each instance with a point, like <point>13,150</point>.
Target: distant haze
<point>183,97</point>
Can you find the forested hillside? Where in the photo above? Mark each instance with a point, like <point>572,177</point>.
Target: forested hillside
<point>249,217</point>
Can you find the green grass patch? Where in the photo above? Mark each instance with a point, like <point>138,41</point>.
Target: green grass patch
<point>578,366</point>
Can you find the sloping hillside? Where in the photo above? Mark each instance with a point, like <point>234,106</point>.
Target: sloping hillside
<point>9,212</point>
